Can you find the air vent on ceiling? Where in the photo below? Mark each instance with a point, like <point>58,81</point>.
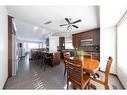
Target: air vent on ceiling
<point>48,22</point>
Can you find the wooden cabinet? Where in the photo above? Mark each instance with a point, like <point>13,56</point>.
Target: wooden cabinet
<point>61,41</point>
<point>75,40</point>
<point>55,58</point>
<point>91,34</point>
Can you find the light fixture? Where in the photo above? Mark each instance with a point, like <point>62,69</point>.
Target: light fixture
<point>35,28</point>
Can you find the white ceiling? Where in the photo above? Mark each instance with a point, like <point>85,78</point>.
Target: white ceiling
<point>28,18</point>
<point>110,15</point>
<point>28,31</point>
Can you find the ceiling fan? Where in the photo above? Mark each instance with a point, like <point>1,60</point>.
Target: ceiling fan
<point>70,24</point>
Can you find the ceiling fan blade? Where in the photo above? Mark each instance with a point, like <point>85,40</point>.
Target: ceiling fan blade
<point>76,21</point>
<point>68,27</point>
<point>63,24</point>
<point>68,21</point>
<point>75,26</point>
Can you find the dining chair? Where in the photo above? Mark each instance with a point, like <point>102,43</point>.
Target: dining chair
<point>36,57</point>
<point>46,60</point>
<point>75,74</point>
<point>104,80</point>
<point>66,55</point>
<point>41,58</point>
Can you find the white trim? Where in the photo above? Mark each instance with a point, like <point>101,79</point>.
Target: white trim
<point>122,19</point>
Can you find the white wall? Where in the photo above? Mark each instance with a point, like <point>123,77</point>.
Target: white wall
<point>108,47</point>
<point>121,52</point>
<point>53,43</point>
<point>44,43</point>
<point>3,46</point>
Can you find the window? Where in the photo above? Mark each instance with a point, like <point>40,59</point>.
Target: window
<point>68,43</point>
<point>33,46</point>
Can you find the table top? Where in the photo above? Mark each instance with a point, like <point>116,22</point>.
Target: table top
<point>89,65</point>
<point>50,52</point>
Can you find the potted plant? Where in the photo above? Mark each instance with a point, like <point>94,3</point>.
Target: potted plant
<point>81,53</point>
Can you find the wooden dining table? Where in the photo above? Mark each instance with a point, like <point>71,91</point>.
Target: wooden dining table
<point>90,65</point>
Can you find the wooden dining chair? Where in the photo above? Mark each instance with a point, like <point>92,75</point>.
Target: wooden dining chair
<point>75,74</point>
<point>66,55</point>
<point>104,81</point>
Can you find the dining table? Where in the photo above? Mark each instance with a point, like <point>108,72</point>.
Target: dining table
<point>89,65</point>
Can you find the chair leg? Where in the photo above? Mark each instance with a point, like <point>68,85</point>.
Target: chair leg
<point>41,65</point>
<point>89,85</point>
<point>67,84</point>
<point>64,70</point>
<point>42,61</point>
<point>44,65</point>
<point>93,86</point>
<point>37,61</point>
<point>106,87</point>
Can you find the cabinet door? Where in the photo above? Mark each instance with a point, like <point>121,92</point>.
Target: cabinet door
<point>91,34</point>
<point>61,41</point>
<point>56,58</point>
<point>96,37</point>
<point>75,40</point>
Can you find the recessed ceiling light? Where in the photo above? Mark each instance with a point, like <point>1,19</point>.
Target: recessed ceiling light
<point>36,28</point>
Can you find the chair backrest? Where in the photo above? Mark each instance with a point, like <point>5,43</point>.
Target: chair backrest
<point>44,55</point>
<point>107,70</point>
<point>66,54</point>
<point>75,71</point>
<point>41,55</point>
<point>36,55</point>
